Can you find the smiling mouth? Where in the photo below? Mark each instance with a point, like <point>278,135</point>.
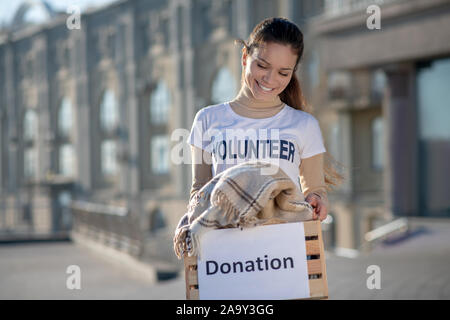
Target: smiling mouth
<point>263,88</point>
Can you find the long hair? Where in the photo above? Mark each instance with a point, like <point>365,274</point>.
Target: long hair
<point>284,32</point>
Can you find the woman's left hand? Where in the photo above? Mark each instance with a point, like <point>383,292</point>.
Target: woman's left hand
<point>319,205</point>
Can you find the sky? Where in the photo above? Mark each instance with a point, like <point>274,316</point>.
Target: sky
<point>9,7</point>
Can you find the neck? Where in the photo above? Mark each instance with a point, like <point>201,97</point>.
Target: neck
<point>245,104</point>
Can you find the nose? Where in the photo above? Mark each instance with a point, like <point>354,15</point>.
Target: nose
<point>268,77</point>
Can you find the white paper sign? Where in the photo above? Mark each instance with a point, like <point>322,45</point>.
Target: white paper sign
<point>264,262</point>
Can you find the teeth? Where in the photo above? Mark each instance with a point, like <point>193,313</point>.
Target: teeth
<point>264,88</point>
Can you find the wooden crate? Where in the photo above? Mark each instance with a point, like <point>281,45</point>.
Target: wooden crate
<point>315,254</point>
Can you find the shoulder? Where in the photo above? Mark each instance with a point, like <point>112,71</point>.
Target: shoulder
<point>211,113</point>
<point>211,110</point>
<point>300,117</point>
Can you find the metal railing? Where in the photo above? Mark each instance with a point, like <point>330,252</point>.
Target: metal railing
<point>109,225</point>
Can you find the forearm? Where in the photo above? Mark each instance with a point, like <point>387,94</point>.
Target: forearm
<point>201,169</point>
<point>312,178</point>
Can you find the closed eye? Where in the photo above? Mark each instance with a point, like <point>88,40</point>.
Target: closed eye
<point>262,67</point>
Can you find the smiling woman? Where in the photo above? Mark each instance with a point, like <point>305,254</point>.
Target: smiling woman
<point>270,100</point>
<point>269,68</point>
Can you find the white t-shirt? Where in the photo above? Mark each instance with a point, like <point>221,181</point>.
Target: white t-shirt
<point>283,139</point>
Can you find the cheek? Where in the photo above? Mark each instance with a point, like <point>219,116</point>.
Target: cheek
<point>252,71</point>
<point>284,82</point>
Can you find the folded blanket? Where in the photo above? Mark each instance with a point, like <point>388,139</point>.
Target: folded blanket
<point>246,195</point>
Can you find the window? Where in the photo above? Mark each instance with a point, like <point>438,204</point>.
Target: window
<point>30,163</point>
<point>4,172</point>
<point>378,143</point>
<point>313,68</point>
<point>339,84</point>
<point>66,160</point>
<point>109,157</point>
<point>335,141</point>
<point>66,153</point>
<point>160,104</point>
<point>109,113</point>
<point>160,154</point>
<point>30,125</point>
<point>379,82</point>
<point>109,122</point>
<point>30,131</point>
<point>433,96</point>
<point>65,118</point>
<point>157,220</point>
<point>223,87</point>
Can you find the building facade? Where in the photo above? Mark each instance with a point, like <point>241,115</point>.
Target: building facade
<point>384,109</point>
<point>97,114</point>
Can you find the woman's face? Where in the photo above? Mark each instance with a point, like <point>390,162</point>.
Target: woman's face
<point>269,69</point>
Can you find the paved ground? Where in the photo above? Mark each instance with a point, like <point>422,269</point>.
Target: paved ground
<point>38,271</point>
<point>415,268</point>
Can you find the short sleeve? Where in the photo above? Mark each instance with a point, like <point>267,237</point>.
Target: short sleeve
<point>313,141</point>
<point>197,135</point>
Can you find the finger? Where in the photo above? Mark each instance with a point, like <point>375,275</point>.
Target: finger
<point>323,212</point>
<point>316,213</point>
<point>317,210</point>
<point>312,201</point>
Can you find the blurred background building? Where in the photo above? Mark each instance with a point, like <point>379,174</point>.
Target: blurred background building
<point>87,115</point>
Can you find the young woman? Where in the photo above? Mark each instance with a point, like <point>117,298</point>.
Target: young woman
<point>268,119</point>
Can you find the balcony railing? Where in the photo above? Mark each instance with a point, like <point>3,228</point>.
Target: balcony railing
<point>108,225</point>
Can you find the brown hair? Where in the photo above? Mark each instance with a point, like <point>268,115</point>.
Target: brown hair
<point>285,32</point>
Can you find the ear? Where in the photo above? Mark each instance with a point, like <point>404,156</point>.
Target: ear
<point>244,57</point>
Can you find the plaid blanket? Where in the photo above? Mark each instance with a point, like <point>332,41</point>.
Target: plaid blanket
<point>246,195</point>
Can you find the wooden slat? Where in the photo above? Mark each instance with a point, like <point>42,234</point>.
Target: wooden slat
<point>191,277</point>
<point>312,247</point>
<point>193,294</point>
<point>314,266</point>
<point>190,261</point>
<point>311,228</point>
<point>317,288</point>
<point>324,266</point>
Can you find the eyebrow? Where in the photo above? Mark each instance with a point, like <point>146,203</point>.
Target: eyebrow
<point>259,58</point>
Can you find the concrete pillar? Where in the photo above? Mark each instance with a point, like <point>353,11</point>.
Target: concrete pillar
<point>242,18</point>
<point>11,109</point>
<point>183,60</point>
<point>83,109</point>
<point>287,9</point>
<point>188,109</point>
<point>44,141</point>
<point>130,177</point>
<point>401,184</point>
